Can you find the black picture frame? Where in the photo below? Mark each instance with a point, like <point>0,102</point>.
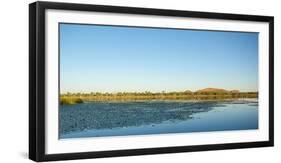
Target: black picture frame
<point>37,80</point>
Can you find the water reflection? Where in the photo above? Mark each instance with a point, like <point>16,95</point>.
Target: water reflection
<point>110,115</point>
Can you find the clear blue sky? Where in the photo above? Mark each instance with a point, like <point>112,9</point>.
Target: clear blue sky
<point>112,59</point>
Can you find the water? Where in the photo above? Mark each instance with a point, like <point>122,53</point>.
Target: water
<point>97,119</point>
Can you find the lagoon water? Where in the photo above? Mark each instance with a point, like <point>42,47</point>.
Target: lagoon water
<point>96,119</point>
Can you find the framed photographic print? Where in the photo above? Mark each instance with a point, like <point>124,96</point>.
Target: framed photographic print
<point>111,81</point>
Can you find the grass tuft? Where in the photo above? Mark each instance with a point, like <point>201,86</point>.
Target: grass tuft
<point>70,100</point>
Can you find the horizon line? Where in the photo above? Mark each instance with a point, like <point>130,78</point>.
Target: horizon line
<point>163,91</point>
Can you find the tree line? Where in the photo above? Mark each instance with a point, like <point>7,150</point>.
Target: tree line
<point>72,98</point>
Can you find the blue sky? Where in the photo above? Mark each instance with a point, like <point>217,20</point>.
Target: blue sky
<point>111,59</point>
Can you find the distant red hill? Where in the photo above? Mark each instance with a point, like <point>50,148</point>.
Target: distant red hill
<point>207,90</point>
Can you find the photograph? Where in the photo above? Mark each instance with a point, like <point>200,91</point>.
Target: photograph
<point>119,80</point>
<point>112,81</point>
